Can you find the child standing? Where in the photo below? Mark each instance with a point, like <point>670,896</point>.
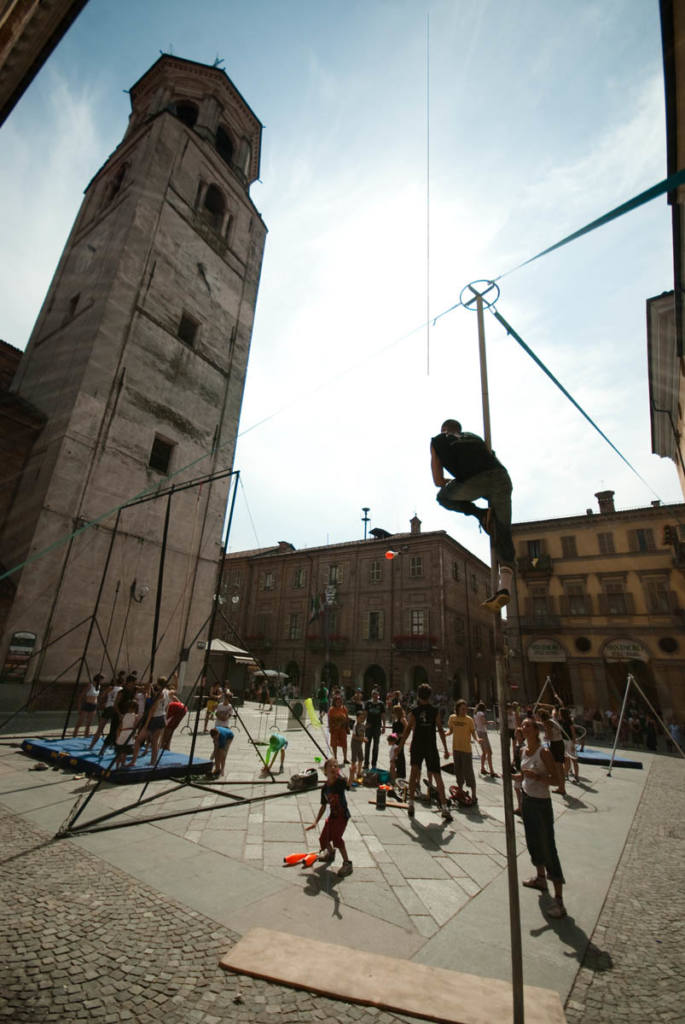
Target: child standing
<point>333,796</point>
<point>357,746</point>
<point>393,740</point>
<point>127,726</point>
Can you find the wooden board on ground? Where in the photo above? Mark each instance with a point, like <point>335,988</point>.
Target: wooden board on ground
<point>391,803</point>
<point>371,979</point>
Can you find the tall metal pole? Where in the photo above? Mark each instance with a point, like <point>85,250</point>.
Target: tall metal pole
<point>103,577</point>
<point>212,619</point>
<point>509,826</point>
<point>160,584</point>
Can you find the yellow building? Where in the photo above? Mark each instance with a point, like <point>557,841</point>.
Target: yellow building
<point>598,596</point>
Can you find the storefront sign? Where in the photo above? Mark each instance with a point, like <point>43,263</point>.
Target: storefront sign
<point>625,650</point>
<point>18,656</point>
<point>546,650</point>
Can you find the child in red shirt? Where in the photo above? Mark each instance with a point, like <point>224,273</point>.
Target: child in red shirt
<point>333,795</point>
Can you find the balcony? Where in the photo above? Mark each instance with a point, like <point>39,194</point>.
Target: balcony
<point>418,643</point>
<point>335,643</point>
<point>616,604</point>
<point>258,642</point>
<point>539,567</point>
<point>540,622</point>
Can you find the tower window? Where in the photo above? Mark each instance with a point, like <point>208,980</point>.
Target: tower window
<point>71,308</point>
<point>160,455</point>
<point>224,146</point>
<point>214,207</point>
<point>187,329</point>
<point>115,182</point>
<point>185,111</point>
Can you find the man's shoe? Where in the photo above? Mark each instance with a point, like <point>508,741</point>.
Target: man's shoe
<point>497,601</point>
<point>326,857</point>
<point>410,809</point>
<point>446,815</point>
<point>346,869</point>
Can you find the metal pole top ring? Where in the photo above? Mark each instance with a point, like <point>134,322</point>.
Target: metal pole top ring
<point>487,290</point>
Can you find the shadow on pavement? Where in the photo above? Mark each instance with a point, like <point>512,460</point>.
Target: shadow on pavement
<point>324,880</point>
<point>569,933</point>
<point>431,837</point>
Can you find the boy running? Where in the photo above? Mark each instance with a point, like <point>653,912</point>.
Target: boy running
<point>422,722</point>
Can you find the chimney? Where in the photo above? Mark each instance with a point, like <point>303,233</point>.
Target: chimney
<point>606,501</point>
<point>415,523</point>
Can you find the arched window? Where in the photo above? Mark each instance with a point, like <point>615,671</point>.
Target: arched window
<point>214,207</point>
<point>224,145</point>
<point>185,111</point>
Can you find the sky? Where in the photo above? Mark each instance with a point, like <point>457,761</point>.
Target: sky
<point>409,148</point>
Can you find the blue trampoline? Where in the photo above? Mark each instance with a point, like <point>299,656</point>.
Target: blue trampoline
<point>74,755</point>
<point>603,758</point>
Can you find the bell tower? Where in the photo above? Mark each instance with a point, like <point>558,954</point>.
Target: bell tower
<point>137,361</point>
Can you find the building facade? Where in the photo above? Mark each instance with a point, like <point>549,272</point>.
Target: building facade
<point>599,596</point>
<point>137,362</point>
<point>347,614</point>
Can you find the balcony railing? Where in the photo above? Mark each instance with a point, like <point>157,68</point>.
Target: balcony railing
<point>540,566</point>
<point>418,643</point>
<point>616,604</point>
<point>258,642</point>
<point>335,643</point>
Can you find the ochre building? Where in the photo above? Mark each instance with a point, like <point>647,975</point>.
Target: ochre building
<point>599,596</point>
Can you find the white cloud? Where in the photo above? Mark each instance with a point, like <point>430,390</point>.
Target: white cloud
<point>41,189</point>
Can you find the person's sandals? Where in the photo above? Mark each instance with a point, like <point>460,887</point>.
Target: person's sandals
<point>557,910</point>
<point>446,815</point>
<point>346,869</point>
<point>536,883</point>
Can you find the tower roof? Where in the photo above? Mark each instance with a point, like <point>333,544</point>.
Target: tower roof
<point>189,79</point>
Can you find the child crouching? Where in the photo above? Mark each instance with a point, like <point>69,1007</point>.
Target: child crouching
<point>333,795</point>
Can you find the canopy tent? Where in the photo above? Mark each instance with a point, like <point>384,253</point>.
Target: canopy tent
<point>241,656</point>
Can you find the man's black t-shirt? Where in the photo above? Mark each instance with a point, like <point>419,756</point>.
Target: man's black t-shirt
<point>375,709</point>
<point>464,455</point>
<point>425,718</point>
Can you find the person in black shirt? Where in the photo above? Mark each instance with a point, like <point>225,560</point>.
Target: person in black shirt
<point>423,720</point>
<point>375,725</point>
<point>477,474</point>
<point>333,796</point>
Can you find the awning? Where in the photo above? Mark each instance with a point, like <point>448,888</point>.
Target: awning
<point>222,647</point>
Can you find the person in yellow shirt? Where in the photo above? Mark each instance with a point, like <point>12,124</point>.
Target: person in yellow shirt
<point>462,729</point>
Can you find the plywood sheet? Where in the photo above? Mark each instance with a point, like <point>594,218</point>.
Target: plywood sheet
<point>386,982</point>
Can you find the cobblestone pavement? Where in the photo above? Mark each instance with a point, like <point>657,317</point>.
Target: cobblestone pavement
<point>82,941</point>
<point>633,970</point>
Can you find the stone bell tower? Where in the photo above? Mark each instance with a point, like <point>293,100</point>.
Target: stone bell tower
<point>138,361</point>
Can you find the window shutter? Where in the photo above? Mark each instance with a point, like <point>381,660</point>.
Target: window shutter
<point>633,544</point>
<point>381,624</point>
<point>365,625</point>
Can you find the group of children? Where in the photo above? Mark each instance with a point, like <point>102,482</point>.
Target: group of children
<point>131,716</point>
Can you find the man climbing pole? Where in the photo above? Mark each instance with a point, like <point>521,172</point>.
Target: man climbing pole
<point>477,474</point>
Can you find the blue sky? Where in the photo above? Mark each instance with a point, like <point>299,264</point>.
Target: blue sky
<point>542,117</point>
